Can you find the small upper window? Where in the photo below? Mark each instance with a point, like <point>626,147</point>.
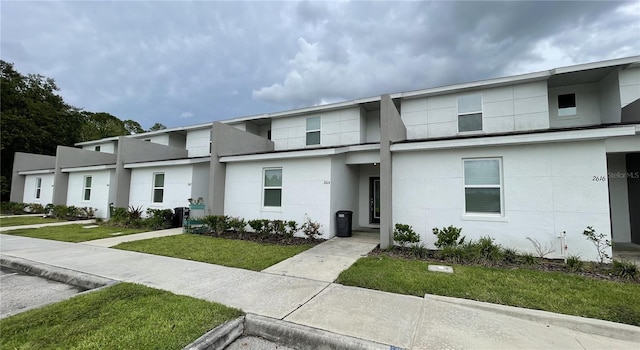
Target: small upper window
<point>97,148</point>
<point>158,187</point>
<point>38,187</point>
<point>470,113</point>
<point>567,105</point>
<point>87,188</point>
<point>313,131</point>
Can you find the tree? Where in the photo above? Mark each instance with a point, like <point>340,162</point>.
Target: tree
<point>133,127</point>
<point>100,125</point>
<point>34,119</point>
<point>157,126</point>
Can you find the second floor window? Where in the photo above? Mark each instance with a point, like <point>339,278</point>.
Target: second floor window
<point>566,105</point>
<point>470,113</point>
<point>87,188</point>
<point>158,187</point>
<point>313,131</point>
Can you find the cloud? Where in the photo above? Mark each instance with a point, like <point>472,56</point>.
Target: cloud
<point>186,115</point>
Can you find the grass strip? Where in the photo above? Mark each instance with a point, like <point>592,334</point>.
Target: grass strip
<point>220,251</point>
<point>72,233</point>
<point>550,291</point>
<point>26,220</point>
<point>124,316</point>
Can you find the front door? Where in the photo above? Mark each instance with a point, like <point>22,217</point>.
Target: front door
<point>374,200</point>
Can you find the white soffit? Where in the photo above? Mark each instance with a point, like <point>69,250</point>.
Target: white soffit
<point>299,153</point>
<point>88,168</point>
<point>36,172</point>
<point>168,163</point>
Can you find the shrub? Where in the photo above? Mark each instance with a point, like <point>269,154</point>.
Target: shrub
<point>126,217</point>
<point>236,224</point>
<point>574,263</point>
<point>217,224</point>
<point>14,208</point>
<point>34,208</point>
<point>453,254</point>
<point>419,251</point>
<point>404,234</point>
<point>625,269</point>
<point>529,259</point>
<point>510,255</point>
<point>260,227</point>
<point>484,251</point>
<point>600,241</point>
<point>540,249</point>
<point>277,227</point>
<point>290,229</point>
<point>448,236</point>
<point>310,228</point>
<point>158,219</point>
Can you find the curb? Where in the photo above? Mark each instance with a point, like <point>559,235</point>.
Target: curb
<point>289,334</point>
<point>219,337</point>
<point>54,273</point>
<point>583,324</point>
<point>304,337</point>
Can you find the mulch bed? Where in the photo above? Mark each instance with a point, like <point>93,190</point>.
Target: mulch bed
<point>271,239</point>
<point>590,270</point>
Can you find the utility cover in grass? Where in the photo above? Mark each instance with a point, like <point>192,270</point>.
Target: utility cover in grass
<point>440,268</point>
<point>91,226</point>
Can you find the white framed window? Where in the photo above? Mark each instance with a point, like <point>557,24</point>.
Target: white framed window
<point>38,187</point>
<point>483,186</point>
<point>313,131</point>
<point>158,187</point>
<point>272,187</point>
<point>86,194</point>
<point>567,105</point>
<point>470,113</point>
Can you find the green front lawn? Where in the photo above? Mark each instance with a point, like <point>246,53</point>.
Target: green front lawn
<point>124,316</point>
<point>550,291</point>
<point>26,220</point>
<point>220,251</point>
<point>72,233</point>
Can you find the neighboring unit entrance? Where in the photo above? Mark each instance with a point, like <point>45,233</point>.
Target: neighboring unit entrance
<point>374,200</point>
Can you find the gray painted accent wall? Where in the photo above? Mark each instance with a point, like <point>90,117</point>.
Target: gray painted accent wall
<point>392,129</point>
<point>25,162</point>
<point>131,151</point>
<point>227,141</point>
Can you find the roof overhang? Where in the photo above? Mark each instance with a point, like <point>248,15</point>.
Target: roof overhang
<point>89,168</point>
<point>310,153</point>
<point>37,172</point>
<point>167,163</point>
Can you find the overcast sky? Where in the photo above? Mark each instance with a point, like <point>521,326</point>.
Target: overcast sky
<point>183,63</point>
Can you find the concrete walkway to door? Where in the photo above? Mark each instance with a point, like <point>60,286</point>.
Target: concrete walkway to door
<point>325,261</point>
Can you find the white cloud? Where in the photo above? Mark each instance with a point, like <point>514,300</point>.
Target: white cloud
<point>186,115</point>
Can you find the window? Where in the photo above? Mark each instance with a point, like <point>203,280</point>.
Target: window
<point>483,185</point>
<point>470,113</point>
<point>158,187</point>
<point>273,187</point>
<point>313,131</point>
<point>38,187</point>
<point>97,148</point>
<point>87,188</point>
<point>567,105</point>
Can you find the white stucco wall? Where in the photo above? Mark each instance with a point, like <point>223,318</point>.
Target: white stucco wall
<point>344,190</point>
<point>306,189</point>
<point>372,126</point>
<point>609,96</point>
<point>197,142</point>
<point>177,187</point>
<point>100,186</point>
<point>200,181</point>
<point>547,189</point>
<point>587,106</point>
<point>340,127</point>
<point>46,189</point>
<point>629,85</point>
<point>162,139</point>
<point>509,108</point>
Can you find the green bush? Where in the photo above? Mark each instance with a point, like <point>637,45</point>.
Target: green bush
<point>600,241</point>
<point>419,251</point>
<point>574,263</point>
<point>310,228</point>
<point>236,224</point>
<point>454,254</point>
<point>484,252</point>
<point>13,208</point>
<point>261,227</point>
<point>529,259</point>
<point>510,255</point>
<point>625,269</point>
<point>34,208</point>
<point>158,219</point>
<point>126,217</point>
<point>291,228</point>
<point>217,223</point>
<point>448,236</point>
<point>404,234</point>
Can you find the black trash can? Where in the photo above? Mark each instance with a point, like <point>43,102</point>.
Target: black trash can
<point>343,223</point>
<point>179,214</point>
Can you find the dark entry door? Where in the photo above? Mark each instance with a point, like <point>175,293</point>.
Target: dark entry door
<point>374,200</point>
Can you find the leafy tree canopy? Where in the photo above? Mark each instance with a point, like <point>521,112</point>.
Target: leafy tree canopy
<point>157,126</point>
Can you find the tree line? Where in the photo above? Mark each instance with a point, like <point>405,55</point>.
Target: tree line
<point>35,119</point>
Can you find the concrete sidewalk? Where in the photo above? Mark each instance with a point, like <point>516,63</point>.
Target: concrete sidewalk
<point>77,222</point>
<point>398,320</point>
<point>114,241</point>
